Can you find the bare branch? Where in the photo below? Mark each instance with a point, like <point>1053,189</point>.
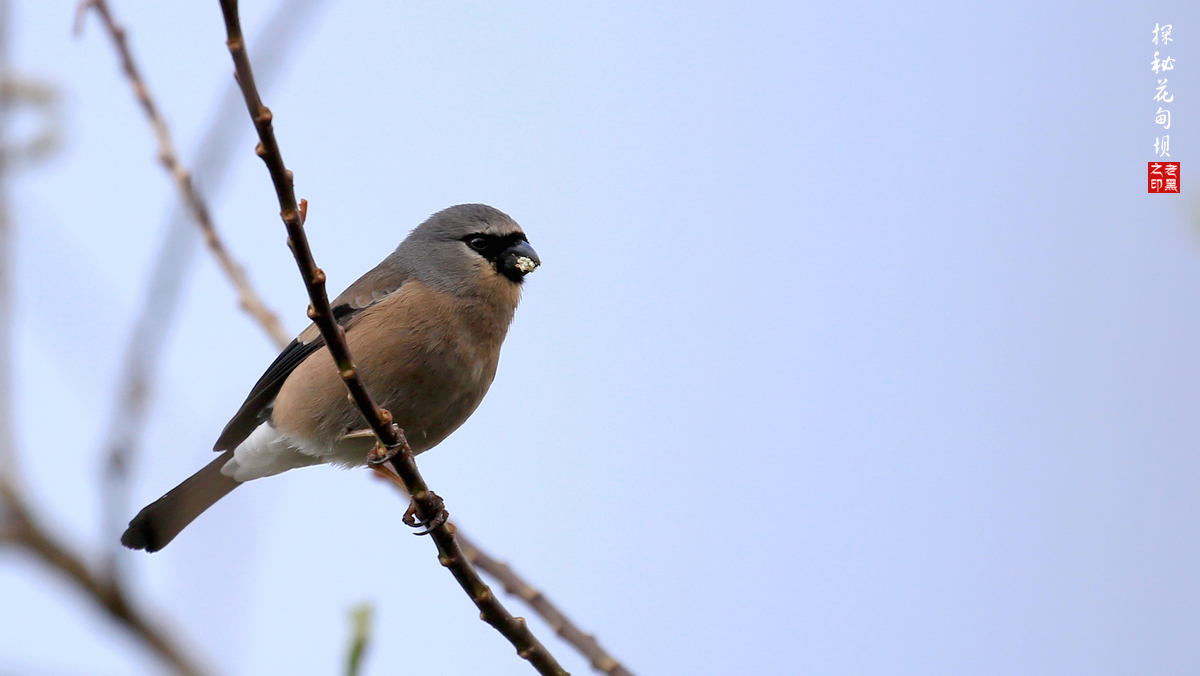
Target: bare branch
<point>248,297</point>
<point>515,585</point>
<point>22,529</point>
<point>8,455</point>
<point>428,506</point>
<point>18,526</point>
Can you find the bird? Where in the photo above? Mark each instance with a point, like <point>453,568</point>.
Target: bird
<point>424,328</point>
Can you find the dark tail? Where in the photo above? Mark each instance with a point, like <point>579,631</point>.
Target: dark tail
<point>161,521</point>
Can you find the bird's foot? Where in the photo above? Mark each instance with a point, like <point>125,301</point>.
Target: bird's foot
<point>381,454</point>
<point>440,517</point>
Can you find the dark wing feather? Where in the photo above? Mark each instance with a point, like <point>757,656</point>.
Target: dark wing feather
<point>362,294</point>
<point>263,393</point>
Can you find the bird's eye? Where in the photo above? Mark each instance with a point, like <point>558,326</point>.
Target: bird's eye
<point>477,243</point>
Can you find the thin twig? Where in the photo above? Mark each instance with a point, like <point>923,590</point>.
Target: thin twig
<point>23,529</point>
<point>18,526</point>
<point>560,623</point>
<point>515,585</point>
<point>8,455</point>
<point>249,298</point>
<point>428,506</point>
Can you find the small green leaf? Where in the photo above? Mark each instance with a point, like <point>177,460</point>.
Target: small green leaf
<point>360,637</point>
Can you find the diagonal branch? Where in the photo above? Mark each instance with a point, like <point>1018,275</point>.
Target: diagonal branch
<point>428,506</point>
<point>517,586</point>
<point>21,528</point>
<point>560,623</point>
<point>248,297</point>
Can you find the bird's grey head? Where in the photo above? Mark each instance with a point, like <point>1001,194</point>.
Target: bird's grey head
<point>453,248</point>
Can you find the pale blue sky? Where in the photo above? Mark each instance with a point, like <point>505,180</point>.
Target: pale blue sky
<point>858,348</point>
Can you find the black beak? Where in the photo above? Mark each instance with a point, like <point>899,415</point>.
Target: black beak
<point>518,260</point>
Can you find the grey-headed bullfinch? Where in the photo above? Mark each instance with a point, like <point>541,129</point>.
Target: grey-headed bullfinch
<point>424,327</point>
